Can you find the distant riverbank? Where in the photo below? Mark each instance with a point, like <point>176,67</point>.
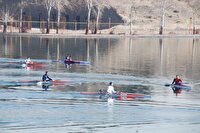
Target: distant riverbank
<point>81,35</point>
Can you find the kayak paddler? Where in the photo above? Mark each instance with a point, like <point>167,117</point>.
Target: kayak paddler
<point>68,58</point>
<point>177,80</point>
<point>28,60</point>
<point>110,89</point>
<point>45,77</point>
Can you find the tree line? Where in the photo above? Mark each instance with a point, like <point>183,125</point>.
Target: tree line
<point>8,11</point>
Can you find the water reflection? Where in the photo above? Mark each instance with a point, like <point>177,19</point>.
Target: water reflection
<point>161,55</point>
<point>139,57</point>
<point>5,45</point>
<point>20,46</point>
<point>176,90</point>
<point>68,66</point>
<point>45,87</point>
<point>58,48</point>
<point>134,65</point>
<point>47,48</point>
<point>110,106</point>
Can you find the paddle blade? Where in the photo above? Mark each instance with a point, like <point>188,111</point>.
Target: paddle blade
<point>167,85</point>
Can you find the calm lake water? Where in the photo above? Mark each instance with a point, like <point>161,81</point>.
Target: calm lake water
<point>135,65</point>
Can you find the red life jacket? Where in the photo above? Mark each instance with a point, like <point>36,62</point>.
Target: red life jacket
<point>177,80</point>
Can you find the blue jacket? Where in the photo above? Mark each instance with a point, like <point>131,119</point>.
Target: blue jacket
<point>45,77</point>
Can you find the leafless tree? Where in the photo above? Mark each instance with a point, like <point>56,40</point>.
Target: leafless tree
<point>162,20</point>
<point>195,5</point>
<point>132,15</point>
<point>5,18</point>
<point>60,5</point>
<point>165,5</point>
<point>89,7</point>
<point>22,5</point>
<point>7,14</point>
<point>49,4</point>
<point>100,5</point>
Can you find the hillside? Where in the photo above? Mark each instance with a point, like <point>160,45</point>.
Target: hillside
<point>147,15</point>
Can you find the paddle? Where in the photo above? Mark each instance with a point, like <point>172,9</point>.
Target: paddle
<point>168,85</point>
<point>196,84</point>
<point>57,60</point>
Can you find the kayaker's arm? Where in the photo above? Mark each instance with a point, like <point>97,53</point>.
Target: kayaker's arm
<point>49,78</point>
<point>173,81</point>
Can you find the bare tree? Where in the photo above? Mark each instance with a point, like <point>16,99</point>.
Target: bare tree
<point>22,5</point>
<point>132,11</point>
<point>60,5</point>
<point>5,18</point>
<point>165,6</point>
<point>7,14</point>
<point>162,20</point>
<point>89,7</point>
<point>49,4</point>
<point>100,5</point>
<point>195,5</point>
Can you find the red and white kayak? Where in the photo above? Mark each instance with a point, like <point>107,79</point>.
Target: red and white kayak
<point>119,96</point>
<point>38,82</point>
<point>52,82</point>
<point>34,64</point>
<point>125,96</point>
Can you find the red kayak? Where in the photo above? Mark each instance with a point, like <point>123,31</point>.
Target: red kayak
<point>24,64</point>
<point>119,96</point>
<point>58,82</point>
<point>52,82</point>
<point>38,82</point>
<point>124,95</point>
<point>34,64</point>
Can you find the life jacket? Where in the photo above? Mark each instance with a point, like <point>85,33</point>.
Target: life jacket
<point>177,80</point>
<point>45,77</point>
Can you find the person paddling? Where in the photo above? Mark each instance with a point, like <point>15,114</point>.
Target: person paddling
<point>28,60</point>
<point>177,80</point>
<point>111,89</point>
<point>68,58</point>
<point>45,77</point>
